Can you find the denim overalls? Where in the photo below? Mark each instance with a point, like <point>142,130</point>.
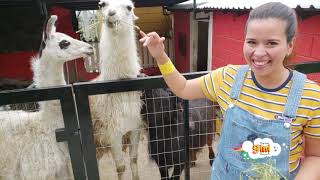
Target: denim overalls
<point>239,125</point>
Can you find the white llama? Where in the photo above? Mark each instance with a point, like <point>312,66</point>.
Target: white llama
<point>27,139</point>
<point>116,116</point>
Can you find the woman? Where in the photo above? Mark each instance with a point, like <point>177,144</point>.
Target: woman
<point>267,107</point>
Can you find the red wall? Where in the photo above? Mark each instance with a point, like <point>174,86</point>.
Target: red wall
<point>182,26</point>
<point>16,65</point>
<point>308,43</point>
<point>228,37</point>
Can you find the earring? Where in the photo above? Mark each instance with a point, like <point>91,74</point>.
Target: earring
<point>287,55</point>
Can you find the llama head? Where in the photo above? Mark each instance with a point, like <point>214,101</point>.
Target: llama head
<point>61,47</point>
<point>118,14</point>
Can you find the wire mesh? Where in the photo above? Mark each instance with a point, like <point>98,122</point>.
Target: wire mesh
<point>161,149</point>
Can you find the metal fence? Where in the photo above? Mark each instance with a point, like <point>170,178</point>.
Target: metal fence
<point>78,130</point>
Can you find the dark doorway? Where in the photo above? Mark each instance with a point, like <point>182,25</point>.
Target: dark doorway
<point>202,62</point>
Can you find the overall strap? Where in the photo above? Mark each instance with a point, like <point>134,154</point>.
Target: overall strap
<point>238,82</point>
<point>295,94</point>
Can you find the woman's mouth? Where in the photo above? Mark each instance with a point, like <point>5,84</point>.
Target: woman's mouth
<point>260,64</point>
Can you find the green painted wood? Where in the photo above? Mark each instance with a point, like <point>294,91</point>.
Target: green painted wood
<point>308,67</point>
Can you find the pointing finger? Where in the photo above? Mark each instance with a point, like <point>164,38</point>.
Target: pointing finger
<point>142,33</point>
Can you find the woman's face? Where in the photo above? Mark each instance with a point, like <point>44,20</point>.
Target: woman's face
<point>266,47</point>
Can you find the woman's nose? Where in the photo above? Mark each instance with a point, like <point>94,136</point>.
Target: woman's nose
<point>259,51</point>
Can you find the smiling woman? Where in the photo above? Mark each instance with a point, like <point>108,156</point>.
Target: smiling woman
<point>266,49</point>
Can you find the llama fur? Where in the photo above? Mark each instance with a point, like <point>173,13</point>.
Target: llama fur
<point>116,116</point>
<point>27,139</point>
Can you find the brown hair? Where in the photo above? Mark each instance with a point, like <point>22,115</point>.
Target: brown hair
<point>280,11</point>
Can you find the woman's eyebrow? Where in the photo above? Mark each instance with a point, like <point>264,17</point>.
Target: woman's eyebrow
<point>276,40</point>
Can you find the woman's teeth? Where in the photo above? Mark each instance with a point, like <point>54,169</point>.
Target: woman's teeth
<point>260,63</point>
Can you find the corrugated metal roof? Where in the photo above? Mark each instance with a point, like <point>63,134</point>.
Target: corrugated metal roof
<point>244,4</point>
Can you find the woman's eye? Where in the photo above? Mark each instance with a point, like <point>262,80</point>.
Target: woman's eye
<point>251,42</point>
<point>272,43</point>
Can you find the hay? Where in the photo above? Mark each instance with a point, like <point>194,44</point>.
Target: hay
<point>263,171</point>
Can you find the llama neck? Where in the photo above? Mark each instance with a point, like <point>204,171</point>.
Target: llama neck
<point>118,54</point>
<point>47,73</point>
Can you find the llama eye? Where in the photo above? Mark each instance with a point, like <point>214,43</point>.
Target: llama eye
<point>64,44</point>
<point>102,4</point>
<point>129,8</point>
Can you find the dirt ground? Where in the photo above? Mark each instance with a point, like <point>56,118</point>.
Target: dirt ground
<point>148,169</point>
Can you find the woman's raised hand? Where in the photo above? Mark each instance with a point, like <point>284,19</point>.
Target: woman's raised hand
<point>155,46</point>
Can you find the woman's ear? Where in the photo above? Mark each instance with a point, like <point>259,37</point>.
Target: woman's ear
<point>291,45</point>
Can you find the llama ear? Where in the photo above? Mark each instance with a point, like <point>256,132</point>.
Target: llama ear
<point>51,27</point>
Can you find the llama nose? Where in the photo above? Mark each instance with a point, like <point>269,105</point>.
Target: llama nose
<point>111,12</point>
<point>91,48</point>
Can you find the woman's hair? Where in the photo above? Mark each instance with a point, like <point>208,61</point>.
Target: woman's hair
<point>277,10</point>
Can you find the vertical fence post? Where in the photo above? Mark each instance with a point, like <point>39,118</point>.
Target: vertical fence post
<point>186,138</point>
<point>71,134</point>
<point>86,130</point>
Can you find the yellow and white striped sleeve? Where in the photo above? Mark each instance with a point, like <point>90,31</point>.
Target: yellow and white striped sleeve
<point>209,84</point>
<point>312,128</point>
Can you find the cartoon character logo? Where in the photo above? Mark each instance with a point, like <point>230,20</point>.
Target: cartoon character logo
<point>260,148</point>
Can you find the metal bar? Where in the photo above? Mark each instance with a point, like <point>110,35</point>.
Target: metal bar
<point>76,75</point>
<point>31,95</point>
<point>86,131</point>
<point>93,88</point>
<point>194,9</point>
<point>186,137</point>
<point>73,136</point>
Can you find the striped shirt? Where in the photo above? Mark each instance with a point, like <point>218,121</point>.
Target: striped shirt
<point>267,104</point>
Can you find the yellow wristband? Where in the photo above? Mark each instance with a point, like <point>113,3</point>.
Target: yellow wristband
<point>167,68</point>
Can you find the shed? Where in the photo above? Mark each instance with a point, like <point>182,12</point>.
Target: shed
<point>213,31</point>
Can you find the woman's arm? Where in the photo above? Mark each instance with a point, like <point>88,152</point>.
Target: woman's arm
<point>186,89</point>
<point>310,169</point>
